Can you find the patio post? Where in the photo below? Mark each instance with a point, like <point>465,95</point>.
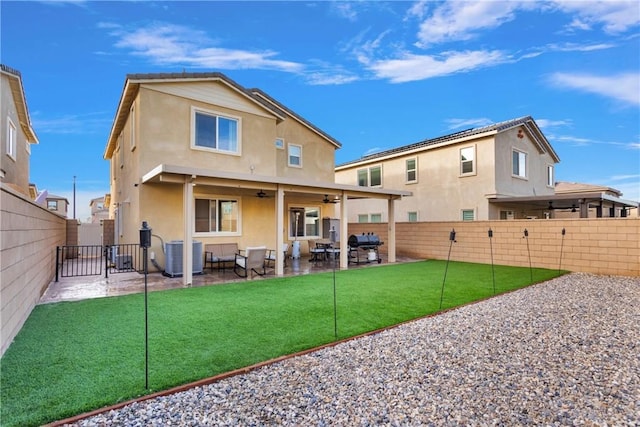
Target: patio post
<point>391,237</point>
<point>280,230</point>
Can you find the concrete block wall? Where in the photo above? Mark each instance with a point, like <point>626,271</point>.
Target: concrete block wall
<point>29,235</point>
<point>609,246</point>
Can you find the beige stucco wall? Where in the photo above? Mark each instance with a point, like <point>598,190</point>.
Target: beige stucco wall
<point>29,234</point>
<point>16,169</point>
<point>599,246</point>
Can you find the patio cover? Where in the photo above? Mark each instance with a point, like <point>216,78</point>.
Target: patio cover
<point>187,176</point>
<point>578,201</point>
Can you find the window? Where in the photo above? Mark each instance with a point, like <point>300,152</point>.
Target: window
<point>280,143</point>
<point>363,218</point>
<point>468,215</point>
<point>371,177</point>
<point>412,216</point>
<point>12,137</point>
<point>217,216</point>
<point>132,120</point>
<point>550,179</point>
<point>412,170</point>
<point>295,155</point>
<point>304,222</point>
<point>467,160</point>
<point>52,205</point>
<point>215,132</point>
<point>376,217</point>
<point>519,164</point>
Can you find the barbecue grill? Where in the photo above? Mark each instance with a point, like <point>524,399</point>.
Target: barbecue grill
<point>366,245</point>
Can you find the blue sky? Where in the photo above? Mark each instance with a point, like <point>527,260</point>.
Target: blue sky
<point>374,75</point>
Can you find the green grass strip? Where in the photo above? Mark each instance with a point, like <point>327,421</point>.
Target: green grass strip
<point>72,357</point>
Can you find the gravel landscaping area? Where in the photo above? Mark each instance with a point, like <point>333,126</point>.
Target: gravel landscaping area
<point>563,352</point>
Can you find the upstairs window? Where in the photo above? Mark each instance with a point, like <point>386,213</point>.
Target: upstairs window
<point>370,177</point>
<point>412,170</point>
<point>132,118</point>
<point>468,214</point>
<point>412,216</point>
<point>519,164</point>
<point>52,205</point>
<point>12,138</point>
<point>467,160</point>
<point>295,155</point>
<point>550,178</point>
<point>215,132</point>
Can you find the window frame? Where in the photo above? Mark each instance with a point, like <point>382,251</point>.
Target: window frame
<point>361,217</point>
<point>375,218</point>
<point>414,170</point>
<point>305,209</point>
<point>473,160</point>
<point>218,199</point>
<point>217,115</point>
<point>414,215</point>
<point>369,182</point>
<point>279,143</point>
<point>467,211</point>
<point>12,139</point>
<point>518,174</point>
<point>290,155</point>
<point>52,205</point>
<point>550,176</point>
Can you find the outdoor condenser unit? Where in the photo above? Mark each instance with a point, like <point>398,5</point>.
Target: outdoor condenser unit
<point>121,261</point>
<point>173,255</point>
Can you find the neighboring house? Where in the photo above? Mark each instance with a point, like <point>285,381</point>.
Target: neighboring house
<point>592,201</point>
<point>57,204</point>
<point>462,176</point>
<point>16,132</point>
<point>99,210</point>
<point>201,158</point>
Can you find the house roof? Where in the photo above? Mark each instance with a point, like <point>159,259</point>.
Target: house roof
<point>17,91</point>
<point>133,82</point>
<point>527,122</point>
<point>262,94</point>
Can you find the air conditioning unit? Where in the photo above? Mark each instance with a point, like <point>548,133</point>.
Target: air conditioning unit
<point>124,262</point>
<point>173,258</point>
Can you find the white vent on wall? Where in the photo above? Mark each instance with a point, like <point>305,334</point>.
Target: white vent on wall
<point>173,261</point>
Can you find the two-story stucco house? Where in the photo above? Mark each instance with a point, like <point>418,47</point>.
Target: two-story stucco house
<point>16,132</point>
<point>201,158</point>
<point>461,176</point>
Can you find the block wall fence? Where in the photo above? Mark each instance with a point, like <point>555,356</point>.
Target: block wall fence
<point>29,235</point>
<point>608,246</point>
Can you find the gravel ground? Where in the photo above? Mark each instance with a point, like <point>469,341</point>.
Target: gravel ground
<point>564,352</point>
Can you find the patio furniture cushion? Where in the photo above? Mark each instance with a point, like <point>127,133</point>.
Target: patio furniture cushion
<point>253,261</point>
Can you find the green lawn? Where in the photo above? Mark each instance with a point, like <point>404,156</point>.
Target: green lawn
<point>73,357</point>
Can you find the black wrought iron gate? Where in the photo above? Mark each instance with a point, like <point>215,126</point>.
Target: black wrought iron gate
<point>92,260</point>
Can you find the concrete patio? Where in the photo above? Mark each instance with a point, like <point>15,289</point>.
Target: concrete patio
<point>86,287</point>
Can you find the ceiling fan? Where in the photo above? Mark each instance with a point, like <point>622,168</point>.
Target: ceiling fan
<point>328,200</point>
<point>261,194</point>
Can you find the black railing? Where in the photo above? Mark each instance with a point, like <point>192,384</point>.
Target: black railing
<point>89,260</point>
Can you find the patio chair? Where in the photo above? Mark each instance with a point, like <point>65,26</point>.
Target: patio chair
<point>317,252</point>
<point>270,259</point>
<point>252,261</point>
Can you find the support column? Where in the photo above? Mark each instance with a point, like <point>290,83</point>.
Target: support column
<point>187,241</point>
<point>279,231</point>
<point>391,231</point>
<point>344,230</point>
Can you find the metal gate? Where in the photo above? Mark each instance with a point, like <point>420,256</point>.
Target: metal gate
<point>92,260</point>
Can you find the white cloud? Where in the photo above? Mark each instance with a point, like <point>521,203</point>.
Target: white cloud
<point>71,123</point>
<point>547,123</point>
<point>615,17</point>
<point>409,67</point>
<point>345,10</point>
<point>623,87</point>
<point>169,44</point>
<point>467,123</point>
<point>460,20</point>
